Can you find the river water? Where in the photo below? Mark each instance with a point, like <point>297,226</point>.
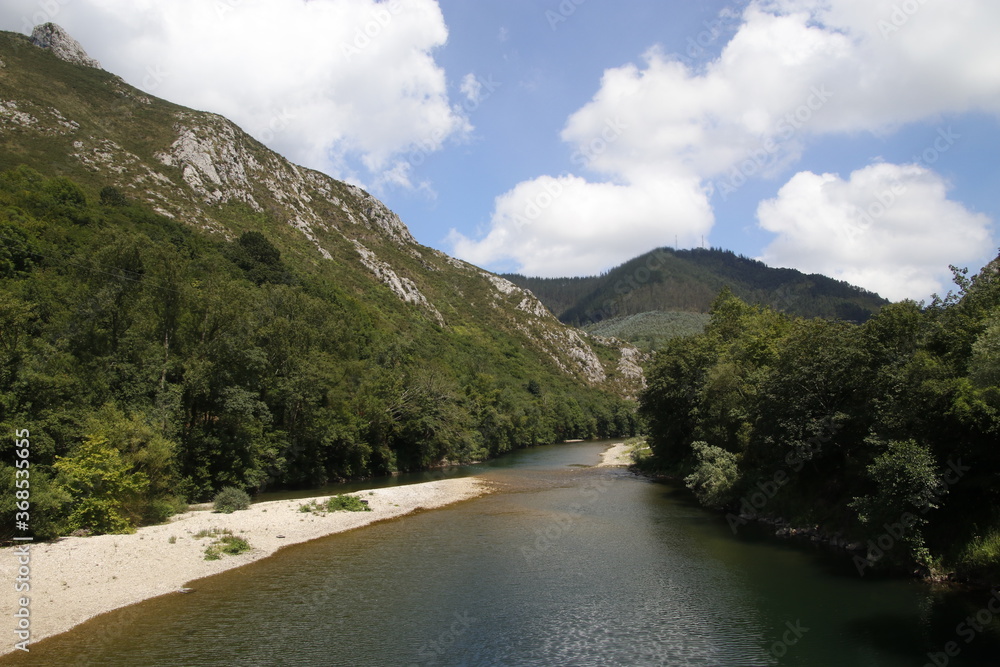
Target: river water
<point>566,565</point>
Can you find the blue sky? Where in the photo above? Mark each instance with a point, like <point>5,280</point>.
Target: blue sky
<point>855,138</point>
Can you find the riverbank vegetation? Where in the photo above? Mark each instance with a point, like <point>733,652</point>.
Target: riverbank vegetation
<point>887,433</point>
<point>154,364</point>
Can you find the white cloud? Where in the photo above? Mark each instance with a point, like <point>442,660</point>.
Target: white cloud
<point>347,86</point>
<point>555,226</point>
<point>889,228</point>
<point>794,69</point>
<point>472,88</point>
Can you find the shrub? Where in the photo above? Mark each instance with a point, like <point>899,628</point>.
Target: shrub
<point>907,486</point>
<point>348,503</point>
<point>110,196</point>
<point>715,476</point>
<point>230,499</point>
<point>981,556</point>
<point>227,544</point>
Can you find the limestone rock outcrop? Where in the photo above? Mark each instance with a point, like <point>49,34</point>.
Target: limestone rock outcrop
<point>50,36</point>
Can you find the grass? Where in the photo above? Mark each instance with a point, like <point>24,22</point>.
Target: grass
<point>201,534</point>
<point>341,503</point>
<point>347,503</point>
<point>639,450</point>
<point>229,545</point>
<point>981,556</point>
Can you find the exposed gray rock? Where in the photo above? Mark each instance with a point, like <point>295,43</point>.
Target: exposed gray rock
<point>404,288</point>
<point>52,37</point>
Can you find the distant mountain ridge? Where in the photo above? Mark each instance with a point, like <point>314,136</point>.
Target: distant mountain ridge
<point>687,281</point>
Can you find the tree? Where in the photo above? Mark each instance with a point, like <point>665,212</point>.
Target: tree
<point>101,485</point>
<point>906,486</point>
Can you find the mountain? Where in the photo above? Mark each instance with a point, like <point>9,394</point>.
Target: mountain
<point>194,307</point>
<point>636,295</point>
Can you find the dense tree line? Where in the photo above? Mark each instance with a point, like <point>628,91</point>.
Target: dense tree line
<point>154,364</point>
<point>888,432</point>
<point>688,281</point>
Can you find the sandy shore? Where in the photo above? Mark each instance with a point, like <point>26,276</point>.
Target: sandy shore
<point>77,578</point>
<point>616,456</point>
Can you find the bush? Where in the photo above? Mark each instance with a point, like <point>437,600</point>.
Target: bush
<point>348,503</point>
<point>112,197</point>
<point>227,544</point>
<point>981,556</point>
<point>714,478</point>
<point>230,499</point>
<point>907,486</point>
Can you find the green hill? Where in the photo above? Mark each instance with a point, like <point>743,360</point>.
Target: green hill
<point>183,309</point>
<point>650,330</point>
<point>688,281</point>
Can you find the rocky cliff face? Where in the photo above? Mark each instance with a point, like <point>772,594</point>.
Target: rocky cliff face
<point>52,37</point>
<point>202,169</point>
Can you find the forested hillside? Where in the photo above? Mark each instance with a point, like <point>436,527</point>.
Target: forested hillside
<point>182,309</point>
<point>885,432</point>
<point>689,280</point>
<point>650,331</point>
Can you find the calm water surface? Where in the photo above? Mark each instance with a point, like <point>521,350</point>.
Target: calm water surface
<point>567,565</point>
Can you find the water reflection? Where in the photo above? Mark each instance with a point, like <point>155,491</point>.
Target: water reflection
<point>569,565</point>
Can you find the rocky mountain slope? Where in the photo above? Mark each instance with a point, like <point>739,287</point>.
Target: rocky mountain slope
<point>184,310</point>
<point>63,115</point>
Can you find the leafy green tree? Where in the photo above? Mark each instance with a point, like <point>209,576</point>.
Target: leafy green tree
<point>111,196</point>
<point>985,367</point>
<point>715,475</point>
<point>102,487</point>
<point>907,486</point>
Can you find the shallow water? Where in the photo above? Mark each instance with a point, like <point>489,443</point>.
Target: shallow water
<point>567,565</point>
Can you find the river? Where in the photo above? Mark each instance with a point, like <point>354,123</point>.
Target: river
<point>566,564</point>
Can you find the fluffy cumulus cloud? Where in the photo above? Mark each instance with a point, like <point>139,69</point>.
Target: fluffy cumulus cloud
<point>792,70</point>
<point>347,86</point>
<point>549,224</point>
<point>889,228</point>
